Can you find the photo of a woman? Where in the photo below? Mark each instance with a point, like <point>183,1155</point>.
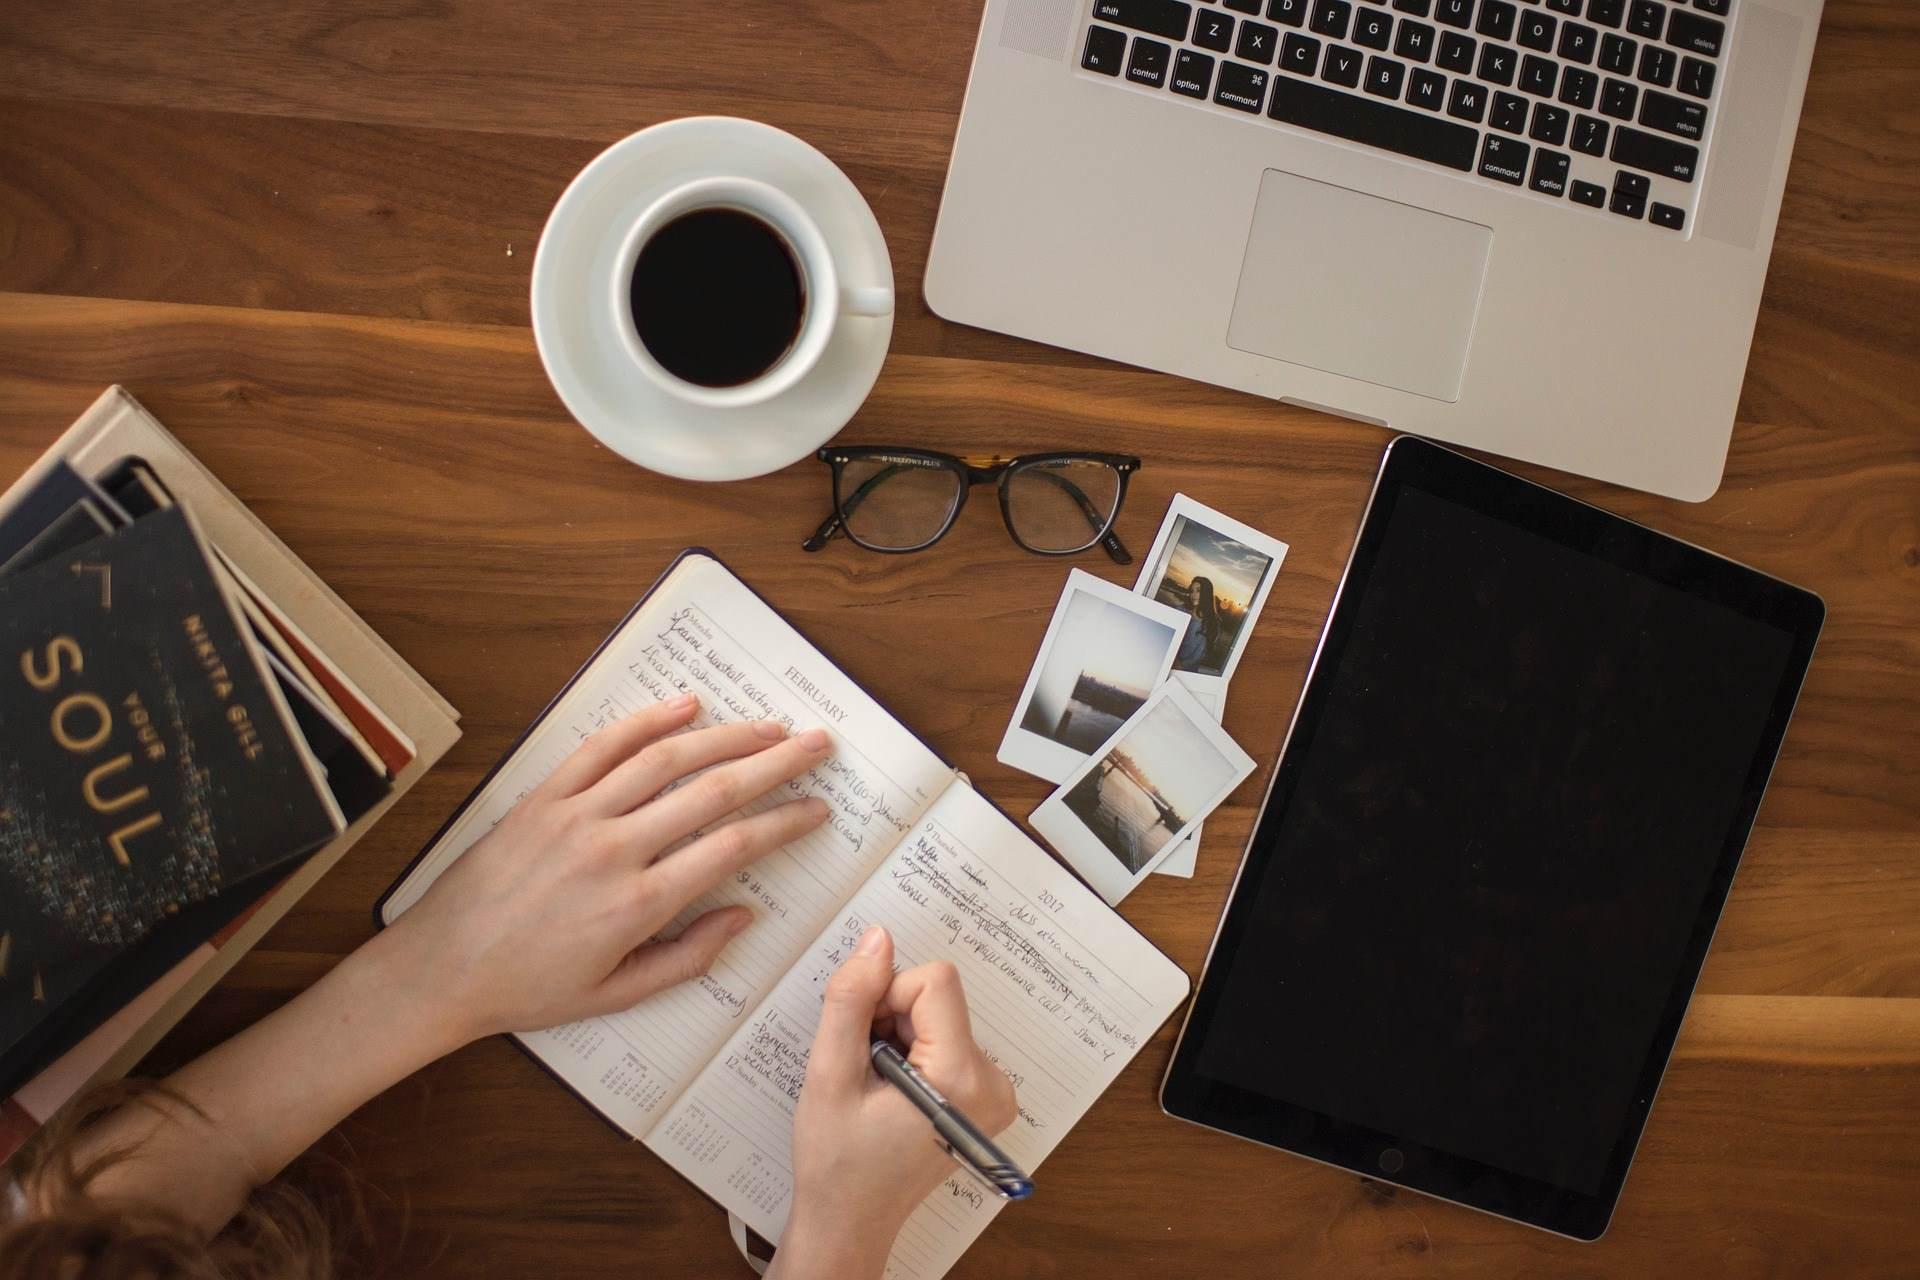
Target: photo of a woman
<point>1217,577</point>
<point>1199,648</point>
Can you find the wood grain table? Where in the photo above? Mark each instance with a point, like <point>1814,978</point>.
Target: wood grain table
<point>300,231</point>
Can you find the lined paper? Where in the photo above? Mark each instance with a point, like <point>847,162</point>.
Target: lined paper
<point>1062,992</point>
<point>703,631</point>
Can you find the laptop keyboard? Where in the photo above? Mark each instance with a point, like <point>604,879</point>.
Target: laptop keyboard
<point>1602,103</point>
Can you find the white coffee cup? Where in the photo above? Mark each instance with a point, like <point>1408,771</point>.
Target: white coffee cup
<point>826,297</point>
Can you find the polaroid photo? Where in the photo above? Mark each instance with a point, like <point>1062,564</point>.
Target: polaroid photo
<point>1218,572</point>
<point>1211,695</point>
<point>1143,792</point>
<point>1104,654</point>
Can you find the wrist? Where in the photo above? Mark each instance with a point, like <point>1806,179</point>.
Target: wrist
<point>397,964</point>
<point>838,1240</point>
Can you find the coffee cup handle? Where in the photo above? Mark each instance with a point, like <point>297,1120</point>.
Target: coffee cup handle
<point>871,300</point>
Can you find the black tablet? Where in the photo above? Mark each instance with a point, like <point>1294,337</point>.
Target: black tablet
<point>1492,856</point>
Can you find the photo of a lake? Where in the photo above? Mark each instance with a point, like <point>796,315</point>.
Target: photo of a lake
<point>1102,664</point>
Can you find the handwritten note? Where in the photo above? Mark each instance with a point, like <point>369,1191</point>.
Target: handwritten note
<point>704,632</point>
<point>708,1074</point>
<point>1061,991</point>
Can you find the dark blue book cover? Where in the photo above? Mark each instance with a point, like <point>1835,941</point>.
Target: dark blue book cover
<point>146,758</point>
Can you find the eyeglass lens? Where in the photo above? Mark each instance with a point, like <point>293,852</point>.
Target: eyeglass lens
<point>1062,505</point>
<point>894,505</point>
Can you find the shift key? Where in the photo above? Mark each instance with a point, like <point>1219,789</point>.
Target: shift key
<point>1652,153</point>
<point>1166,18</point>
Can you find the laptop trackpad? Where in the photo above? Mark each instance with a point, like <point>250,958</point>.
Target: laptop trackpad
<point>1352,284</point>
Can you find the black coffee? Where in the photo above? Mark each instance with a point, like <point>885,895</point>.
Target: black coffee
<point>717,297</point>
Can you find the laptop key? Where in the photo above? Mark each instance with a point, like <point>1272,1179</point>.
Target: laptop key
<point>1148,62</point>
<point>1606,13</point>
<point>1549,124</point>
<point>1503,159</point>
<point>1589,136</point>
<point>1456,53</point>
<point>1669,114</point>
<point>1588,193</point>
<point>1104,50</point>
<point>1241,87</point>
<point>1646,18</point>
<point>1655,154</point>
<point>1694,33</point>
<point>1538,76</point>
<point>1468,101</point>
<point>1536,30</point>
<point>1579,87</point>
<point>1619,99</point>
<point>1374,123</point>
<point>1577,43</point>
<point>1418,8</point>
<point>1571,7</point>
<point>1256,42</point>
<point>1656,65</point>
<point>1373,29</point>
<point>1299,54</point>
<point>1292,13</point>
<point>1342,66</point>
<point>1550,172</point>
<point>1616,54</point>
<point>1496,19</point>
<point>1496,63</point>
<point>1718,8</point>
<point>1696,78</point>
<point>1330,17</point>
<point>1192,73</point>
<point>1250,7</point>
<point>1509,112</point>
<point>1454,13</point>
<point>1164,18</point>
<point>1426,89</point>
<point>1629,194</point>
<point>1385,76</point>
<point>1668,216</point>
<point>1415,40</point>
<point>1213,31</point>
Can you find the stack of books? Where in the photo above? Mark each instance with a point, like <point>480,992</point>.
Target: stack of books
<point>193,729</point>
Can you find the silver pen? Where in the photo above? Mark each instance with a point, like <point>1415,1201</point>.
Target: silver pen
<point>972,1149</point>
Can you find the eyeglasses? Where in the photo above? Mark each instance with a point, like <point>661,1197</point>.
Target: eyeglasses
<point>898,500</point>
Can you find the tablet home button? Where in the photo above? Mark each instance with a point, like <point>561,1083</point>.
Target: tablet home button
<point>1391,1161</point>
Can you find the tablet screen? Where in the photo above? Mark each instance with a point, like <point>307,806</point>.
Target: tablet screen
<point>1503,812</point>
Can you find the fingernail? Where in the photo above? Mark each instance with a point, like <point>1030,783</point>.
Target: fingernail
<point>814,739</point>
<point>871,941</point>
<point>772,730</point>
<point>739,924</point>
<point>684,701</point>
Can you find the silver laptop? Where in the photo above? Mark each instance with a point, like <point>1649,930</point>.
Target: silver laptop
<point>1535,228</point>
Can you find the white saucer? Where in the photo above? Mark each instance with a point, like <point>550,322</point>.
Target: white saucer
<point>592,372</point>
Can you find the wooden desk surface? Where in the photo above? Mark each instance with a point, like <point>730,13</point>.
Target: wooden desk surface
<point>301,232</point>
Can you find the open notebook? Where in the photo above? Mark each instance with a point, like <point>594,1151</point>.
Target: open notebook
<point>1063,992</point>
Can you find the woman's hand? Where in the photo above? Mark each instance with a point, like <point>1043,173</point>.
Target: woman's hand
<point>864,1157</point>
<point>550,917</point>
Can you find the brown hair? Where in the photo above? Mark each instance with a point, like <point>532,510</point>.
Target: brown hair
<point>66,1232</point>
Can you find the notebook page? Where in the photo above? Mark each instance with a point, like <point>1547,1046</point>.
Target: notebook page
<point>703,631</point>
<point>1063,993</point>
